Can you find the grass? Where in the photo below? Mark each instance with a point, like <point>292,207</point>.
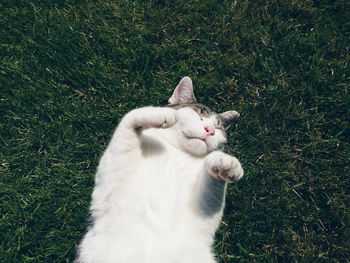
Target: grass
<point>71,69</point>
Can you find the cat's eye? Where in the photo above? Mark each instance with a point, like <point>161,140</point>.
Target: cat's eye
<point>201,119</point>
<point>218,125</point>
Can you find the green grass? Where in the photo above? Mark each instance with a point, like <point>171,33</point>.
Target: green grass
<point>70,69</point>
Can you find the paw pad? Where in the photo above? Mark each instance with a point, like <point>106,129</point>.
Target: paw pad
<point>224,167</point>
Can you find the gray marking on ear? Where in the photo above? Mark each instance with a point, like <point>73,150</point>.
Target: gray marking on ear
<point>228,118</point>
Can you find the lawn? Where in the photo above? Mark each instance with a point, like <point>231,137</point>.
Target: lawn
<point>71,69</point>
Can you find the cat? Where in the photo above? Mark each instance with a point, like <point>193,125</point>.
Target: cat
<point>160,185</point>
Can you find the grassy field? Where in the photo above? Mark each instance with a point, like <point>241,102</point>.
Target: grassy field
<point>70,69</point>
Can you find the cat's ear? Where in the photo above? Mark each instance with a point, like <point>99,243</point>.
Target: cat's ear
<point>183,93</point>
<point>228,118</point>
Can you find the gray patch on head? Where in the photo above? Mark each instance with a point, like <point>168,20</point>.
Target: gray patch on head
<point>201,109</point>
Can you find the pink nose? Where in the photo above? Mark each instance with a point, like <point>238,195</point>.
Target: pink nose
<point>209,130</point>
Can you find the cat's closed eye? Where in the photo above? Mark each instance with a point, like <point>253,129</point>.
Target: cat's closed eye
<point>218,125</point>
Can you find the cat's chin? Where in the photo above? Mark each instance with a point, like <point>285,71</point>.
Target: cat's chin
<point>196,146</point>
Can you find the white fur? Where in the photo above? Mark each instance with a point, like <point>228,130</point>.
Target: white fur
<point>159,190</point>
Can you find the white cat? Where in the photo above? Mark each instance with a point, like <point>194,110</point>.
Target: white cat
<point>160,185</point>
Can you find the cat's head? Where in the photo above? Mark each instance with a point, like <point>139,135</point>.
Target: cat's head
<point>199,130</point>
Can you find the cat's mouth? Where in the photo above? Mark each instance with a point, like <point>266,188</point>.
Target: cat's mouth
<point>196,138</point>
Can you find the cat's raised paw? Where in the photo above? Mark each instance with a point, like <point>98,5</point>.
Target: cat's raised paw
<point>223,166</point>
<point>168,118</point>
<point>151,117</point>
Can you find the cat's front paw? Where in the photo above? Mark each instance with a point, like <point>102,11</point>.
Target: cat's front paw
<point>151,117</point>
<point>168,117</point>
<point>223,166</point>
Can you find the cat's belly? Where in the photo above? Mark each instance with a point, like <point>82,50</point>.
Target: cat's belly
<point>160,192</point>
<point>151,218</point>
<point>137,242</point>
<point>154,213</point>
